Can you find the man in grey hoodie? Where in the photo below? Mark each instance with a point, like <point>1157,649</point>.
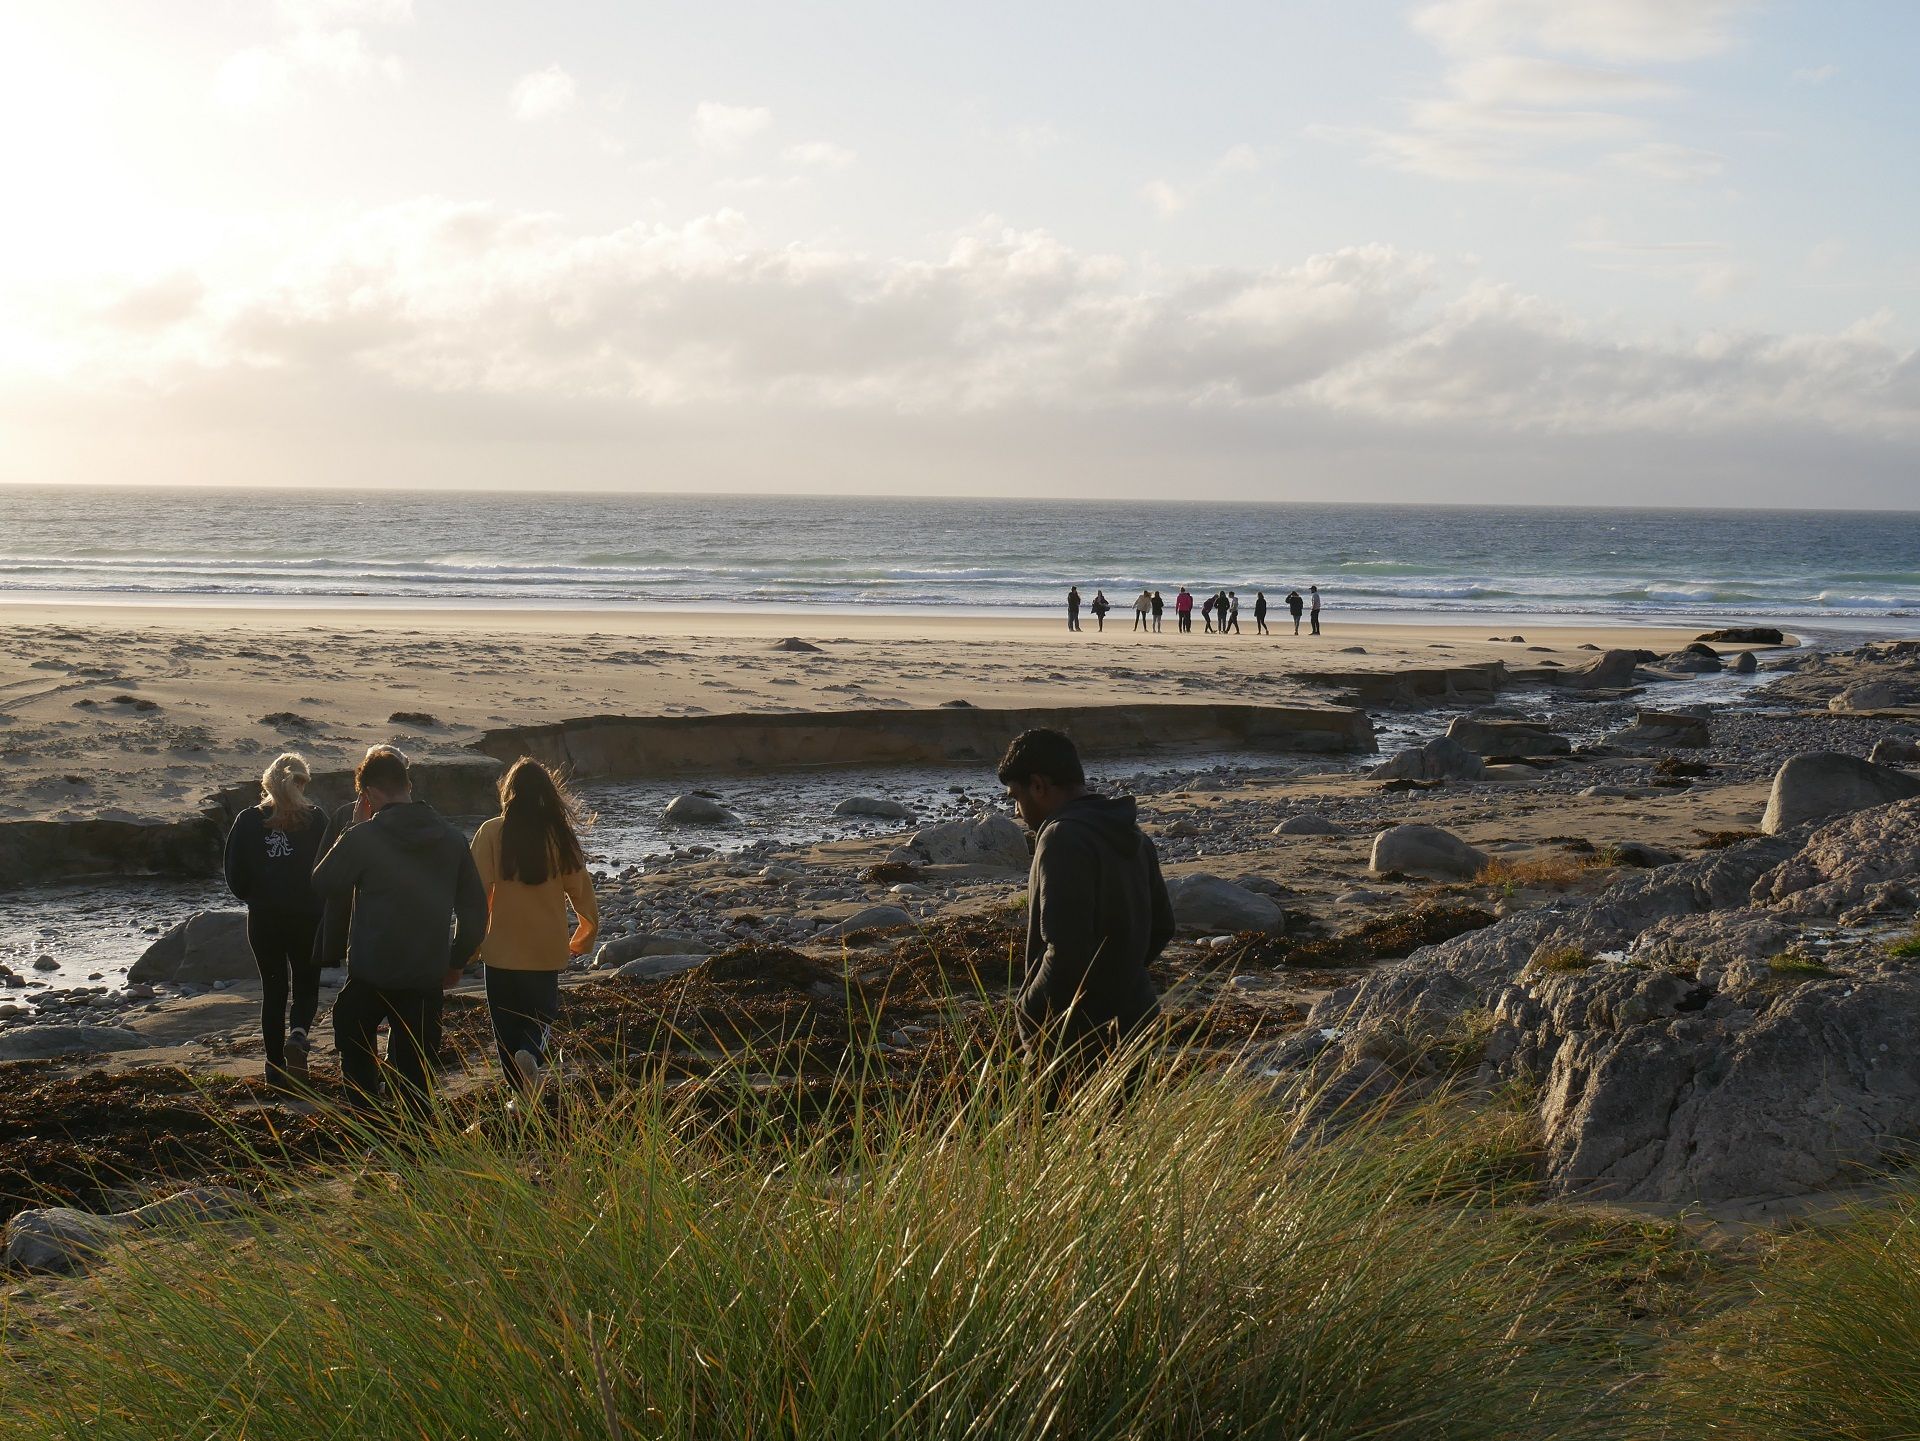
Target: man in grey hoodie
<point>1097,908</point>
<point>419,914</point>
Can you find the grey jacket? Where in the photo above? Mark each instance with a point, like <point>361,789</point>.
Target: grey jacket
<point>1097,913</point>
<point>419,909</point>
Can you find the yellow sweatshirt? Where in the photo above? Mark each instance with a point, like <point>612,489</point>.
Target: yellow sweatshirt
<point>527,925</point>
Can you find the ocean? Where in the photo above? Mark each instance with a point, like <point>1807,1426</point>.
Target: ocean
<point>769,552</point>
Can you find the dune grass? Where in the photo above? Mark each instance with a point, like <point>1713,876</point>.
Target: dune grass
<point>1824,1340</point>
<point>939,1260</point>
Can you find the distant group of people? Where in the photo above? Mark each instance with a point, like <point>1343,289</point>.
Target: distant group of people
<point>1219,612</point>
<point>398,895</point>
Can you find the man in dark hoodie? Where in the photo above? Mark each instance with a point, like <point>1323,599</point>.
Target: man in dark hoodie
<point>1097,908</point>
<point>419,914</point>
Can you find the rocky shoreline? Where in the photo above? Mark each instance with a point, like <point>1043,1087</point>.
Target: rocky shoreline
<point>1696,1011</point>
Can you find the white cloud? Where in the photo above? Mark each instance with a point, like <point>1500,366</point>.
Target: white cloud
<point>543,93</point>
<point>1168,199</point>
<point>821,155</point>
<point>1612,30</point>
<point>1663,160</point>
<point>322,44</point>
<point>1815,75</point>
<point>267,75</point>
<point>724,129</point>
<point>1498,80</point>
<point>1165,197</point>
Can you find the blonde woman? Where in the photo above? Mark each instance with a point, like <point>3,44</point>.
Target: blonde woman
<point>270,854</point>
<point>531,864</point>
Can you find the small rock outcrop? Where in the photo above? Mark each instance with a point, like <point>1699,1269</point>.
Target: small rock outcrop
<point>621,949</point>
<point>1866,696</point>
<point>1895,751</point>
<point>1507,737</point>
<point>653,968</point>
<point>59,1241</point>
<point>207,946</point>
<point>37,1043</point>
<point>874,806</point>
<point>1440,759</point>
<point>989,839</point>
<point>1665,728</point>
<point>1827,783</point>
<point>872,918</point>
<point>1309,825</point>
<point>1425,851</point>
<point>698,810</point>
<point>1611,670</point>
<point>1208,903</point>
<point>1743,635</point>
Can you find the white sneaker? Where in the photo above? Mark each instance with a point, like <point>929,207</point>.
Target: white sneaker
<point>298,1048</point>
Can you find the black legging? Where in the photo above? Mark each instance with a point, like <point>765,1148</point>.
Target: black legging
<point>282,943</point>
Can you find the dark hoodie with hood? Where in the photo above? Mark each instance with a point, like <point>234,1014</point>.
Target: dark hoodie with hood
<point>1097,913</point>
<point>410,874</point>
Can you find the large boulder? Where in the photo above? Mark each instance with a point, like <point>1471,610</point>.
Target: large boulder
<point>1895,751</point>
<point>1425,851</point>
<point>1207,903</point>
<point>871,918</point>
<point>1609,671</point>
<point>653,968</point>
<point>1665,728</point>
<point>1309,825</point>
<point>37,1043</point>
<point>989,839</point>
<point>622,949</point>
<point>1746,663</point>
<point>698,810</point>
<point>876,807</point>
<point>1827,783</point>
<point>1694,660</point>
<point>1440,759</point>
<point>1507,737</point>
<point>58,1240</point>
<point>1883,693</point>
<point>207,946</point>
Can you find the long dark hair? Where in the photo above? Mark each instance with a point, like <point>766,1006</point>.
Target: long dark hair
<point>537,838</point>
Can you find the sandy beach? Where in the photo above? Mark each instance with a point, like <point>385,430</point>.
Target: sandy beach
<point>143,709</point>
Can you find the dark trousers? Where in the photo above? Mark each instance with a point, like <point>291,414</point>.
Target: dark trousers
<point>524,1005</point>
<point>357,1015</point>
<point>1296,625</point>
<point>1260,625</point>
<point>282,943</point>
<point>1073,618</point>
<point>1315,619</point>
<point>1139,620</point>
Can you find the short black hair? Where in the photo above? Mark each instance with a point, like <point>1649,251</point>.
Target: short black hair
<point>1042,753</point>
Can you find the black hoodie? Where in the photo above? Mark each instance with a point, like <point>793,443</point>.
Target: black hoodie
<point>272,870</point>
<point>1097,913</point>
<point>410,875</point>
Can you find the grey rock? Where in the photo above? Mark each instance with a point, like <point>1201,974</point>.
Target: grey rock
<point>1884,693</point>
<point>621,949</point>
<point>1425,851</point>
<point>653,968</point>
<point>1746,663</point>
<point>693,810</point>
<point>1208,904</point>
<point>207,947</point>
<point>1439,759</point>
<point>1665,728</point>
<point>876,807</point>
<point>1507,737</point>
<point>57,1240</point>
<point>1611,670</point>
<point>989,839</point>
<point>796,645</point>
<point>1895,751</point>
<point>34,1043</point>
<point>1309,825</point>
<point>1828,783</point>
<point>872,918</point>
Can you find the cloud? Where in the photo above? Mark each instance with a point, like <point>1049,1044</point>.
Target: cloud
<point>1169,199</point>
<point>1815,75</point>
<point>1165,198</point>
<point>1706,266</point>
<point>821,155</point>
<point>1663,160</point>
<point>322,45</point>
<point>1660,31</point>
<point>543,93</point>
<point>725,129</point>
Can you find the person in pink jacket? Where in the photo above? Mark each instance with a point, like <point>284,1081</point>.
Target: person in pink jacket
<point>1183,608</point>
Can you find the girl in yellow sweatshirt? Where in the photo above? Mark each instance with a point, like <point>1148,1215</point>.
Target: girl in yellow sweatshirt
<point>530,861</point>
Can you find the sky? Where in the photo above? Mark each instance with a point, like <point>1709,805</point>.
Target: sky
<point>1535,251</point>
